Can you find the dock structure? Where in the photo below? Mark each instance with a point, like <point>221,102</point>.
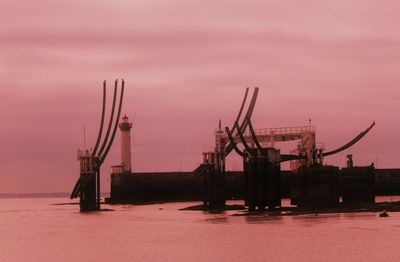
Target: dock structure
<point>310,182</point>
<point>316,186</point>
<point>262,177</point>
<point>358,184</point>
<point>261,163</point>
<point>148,187</point>
<point>387,181</point>
<point>213,171</point>
<point>87,188</point>
<point>261,170</point>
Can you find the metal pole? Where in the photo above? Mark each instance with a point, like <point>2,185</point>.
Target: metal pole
<point>84,138</point>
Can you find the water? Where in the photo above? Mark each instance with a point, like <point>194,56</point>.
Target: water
<point>33,229</point>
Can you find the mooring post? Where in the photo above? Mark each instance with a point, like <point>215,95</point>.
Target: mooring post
<point>246,182</point>
<point>206,189</point>
<point>88,192</point>
<point>273,185</point>
<point>98,189</point>
<point>214,182</point>
<point>223,184</point>
<point>262,180</point>
<point>251,186</point>
<point>273,178</point>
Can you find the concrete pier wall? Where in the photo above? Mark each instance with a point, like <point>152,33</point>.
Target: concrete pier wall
<point>180,186</point>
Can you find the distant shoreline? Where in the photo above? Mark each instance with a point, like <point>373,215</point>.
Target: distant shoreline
<point>41,195</point>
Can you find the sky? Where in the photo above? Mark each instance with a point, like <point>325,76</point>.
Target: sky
<point>186,65</point>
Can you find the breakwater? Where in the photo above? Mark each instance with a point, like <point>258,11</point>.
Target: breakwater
<point>184,186</point>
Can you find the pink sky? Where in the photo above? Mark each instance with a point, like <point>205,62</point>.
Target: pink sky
<point>186,64</point>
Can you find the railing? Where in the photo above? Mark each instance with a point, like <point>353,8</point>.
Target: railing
<point>208,149</point>
<point>278,131</point>
<point>282,131</point>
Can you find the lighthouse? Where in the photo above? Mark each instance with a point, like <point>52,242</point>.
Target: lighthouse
<point>125,127</point>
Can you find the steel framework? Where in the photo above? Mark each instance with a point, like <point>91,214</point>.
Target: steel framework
<point>87,188</point>
<point>261,164</point>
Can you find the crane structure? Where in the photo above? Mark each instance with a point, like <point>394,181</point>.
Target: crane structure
<point>306,135</point>
<point>87,187</point>
<point>261,159</point>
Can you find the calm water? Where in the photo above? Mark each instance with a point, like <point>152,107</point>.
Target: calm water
<point>36,230</point>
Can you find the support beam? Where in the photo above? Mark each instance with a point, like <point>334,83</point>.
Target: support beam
<point>243,126</point>
<point>352,142</point>
<point>103,110</point>
<point>103,157</point>
<point>88,185</point>
<point>111,120</point>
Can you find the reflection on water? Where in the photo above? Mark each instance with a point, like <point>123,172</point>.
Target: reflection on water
<point>313,220</point>
<point>35,230</point>
<point>263,218</point>
<point>222,218</point>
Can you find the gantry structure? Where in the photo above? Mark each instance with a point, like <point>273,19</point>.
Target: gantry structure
<point>87,188</point>
<point>261,159</point>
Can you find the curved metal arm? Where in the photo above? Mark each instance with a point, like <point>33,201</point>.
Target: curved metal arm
<point>102,119</point>
<point>84,179</point>
<point>352,142</point>
<point>230,146</point>
<point>228,132</point>
<point>76,189</point>
<point>111,120</point>
<point>78,186</point>
<point>103,157</point>
<point>243,126</point>
<point>254,136</point>
<point>241,108</point>
<point>242,138</point>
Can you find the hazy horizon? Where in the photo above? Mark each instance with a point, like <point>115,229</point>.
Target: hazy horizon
<point>186,65</point>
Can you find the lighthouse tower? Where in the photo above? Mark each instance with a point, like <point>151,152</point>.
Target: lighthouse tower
<point>125,128</point>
